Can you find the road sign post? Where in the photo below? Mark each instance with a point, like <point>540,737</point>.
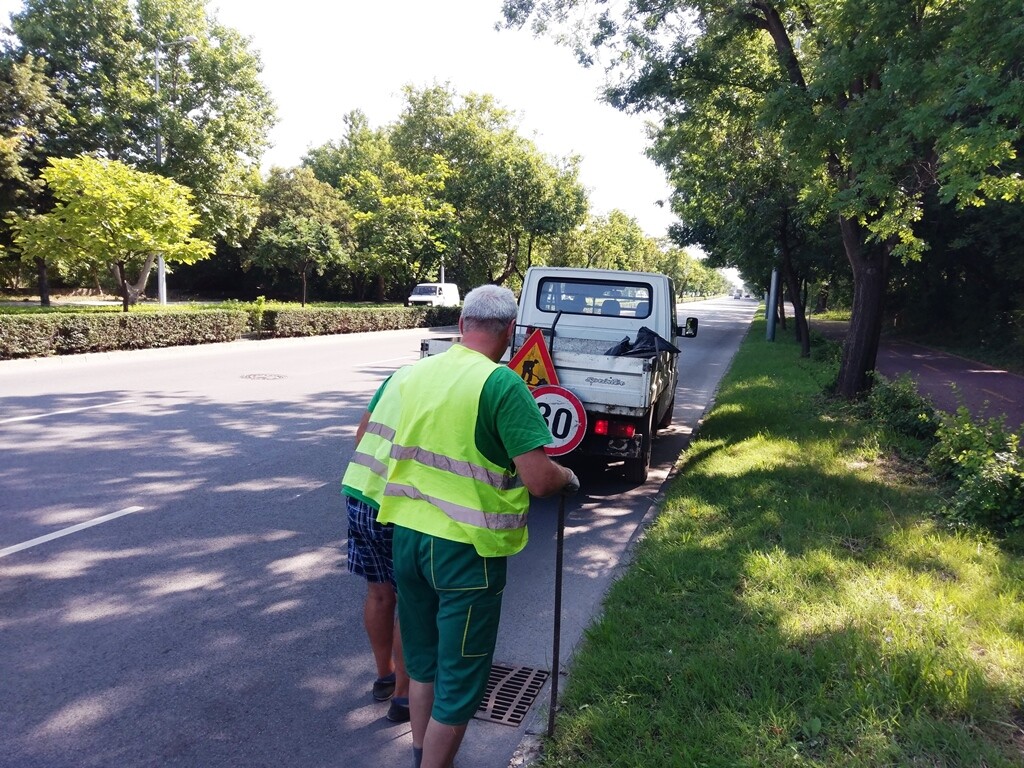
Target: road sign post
<point>567,421</point>
<point>555,663</point>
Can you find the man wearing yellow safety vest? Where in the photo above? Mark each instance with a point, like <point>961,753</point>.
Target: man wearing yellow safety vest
<point>467,452</point>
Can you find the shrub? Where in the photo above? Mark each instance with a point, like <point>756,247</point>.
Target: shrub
<point>28,335</point>
<point>898,405</point>
<point>981,463</point>
<point>38,332</point>
<point>40,335</point>
<point>320,321</point>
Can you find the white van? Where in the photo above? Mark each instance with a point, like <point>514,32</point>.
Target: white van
<point>434,295</point>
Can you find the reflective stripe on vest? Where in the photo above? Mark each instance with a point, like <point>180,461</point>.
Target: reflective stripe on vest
<point>502,481</point>
<point>439,482</point>
<point>458,513</point>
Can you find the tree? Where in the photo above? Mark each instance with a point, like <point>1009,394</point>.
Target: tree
<point>875,103</point>
<point>507,196</point>
<point>451,179</point>
<point>615,241</point>
<point>108,215</point>
<point>304,226</point>
<point>212,114</point>
<point>733,188</point>
<point>27,111</point>
<point>402,224</point>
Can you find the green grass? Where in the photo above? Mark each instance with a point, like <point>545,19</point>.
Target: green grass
<point>795,604</point>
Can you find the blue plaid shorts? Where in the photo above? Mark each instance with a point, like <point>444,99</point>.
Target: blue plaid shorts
<point>369,544</point>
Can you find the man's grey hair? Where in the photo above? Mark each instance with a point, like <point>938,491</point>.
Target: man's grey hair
<point>489,308</point>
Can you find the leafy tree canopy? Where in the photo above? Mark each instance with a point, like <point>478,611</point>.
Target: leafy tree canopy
<point>874,103</point>
<point>108,215</point>
<point>487,195</point>
<point>304,225</point>
<point>212,113</point>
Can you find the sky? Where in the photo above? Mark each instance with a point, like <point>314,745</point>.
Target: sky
<point>321,60</point>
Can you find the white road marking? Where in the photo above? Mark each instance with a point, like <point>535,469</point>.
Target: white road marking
<point>389,360</point>
<point>61,413</point>
<point>997,394</point>
<point>67,531</point>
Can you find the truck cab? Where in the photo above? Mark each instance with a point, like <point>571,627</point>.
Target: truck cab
<point>598,304</point>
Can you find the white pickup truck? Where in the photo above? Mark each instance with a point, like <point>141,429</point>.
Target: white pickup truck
<point>624,376</point>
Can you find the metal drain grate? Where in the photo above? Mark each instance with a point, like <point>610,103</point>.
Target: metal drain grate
<point>511,692</point>
<point>263,376</point>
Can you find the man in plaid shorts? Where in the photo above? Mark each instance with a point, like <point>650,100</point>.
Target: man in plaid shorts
<point>369,556</point>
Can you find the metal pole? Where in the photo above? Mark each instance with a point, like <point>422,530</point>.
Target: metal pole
<point>555,663</point>
<point>161,268</point>
<point>442,269</point>
<point>773,298</point>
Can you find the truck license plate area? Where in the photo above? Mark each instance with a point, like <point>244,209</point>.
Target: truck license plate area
<point>622,448</point>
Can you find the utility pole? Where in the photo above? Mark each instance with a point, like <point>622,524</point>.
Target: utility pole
<point>161,267</point>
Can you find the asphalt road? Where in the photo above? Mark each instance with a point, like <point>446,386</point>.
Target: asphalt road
<point>173,589</point>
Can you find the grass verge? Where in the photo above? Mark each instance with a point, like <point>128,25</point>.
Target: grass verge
<point>795,604</point>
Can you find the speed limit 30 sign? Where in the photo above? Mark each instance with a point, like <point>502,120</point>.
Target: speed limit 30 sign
<point>565,417</point>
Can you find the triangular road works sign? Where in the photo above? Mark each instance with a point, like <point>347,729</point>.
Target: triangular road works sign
<point>533,362</point>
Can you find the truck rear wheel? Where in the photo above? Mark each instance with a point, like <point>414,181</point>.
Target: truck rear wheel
<point>636,470</point>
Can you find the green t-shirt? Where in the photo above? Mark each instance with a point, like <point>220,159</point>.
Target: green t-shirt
<point>509,422</point>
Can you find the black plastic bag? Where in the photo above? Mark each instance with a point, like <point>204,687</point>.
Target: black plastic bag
<point>647,344</point>
<point>621,348</point>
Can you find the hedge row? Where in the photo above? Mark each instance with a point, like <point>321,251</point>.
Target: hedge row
<point>44,334</point>
<point>315,321</point>
<point>68,334</point>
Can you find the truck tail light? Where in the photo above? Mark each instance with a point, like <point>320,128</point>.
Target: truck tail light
<point>607,428</point>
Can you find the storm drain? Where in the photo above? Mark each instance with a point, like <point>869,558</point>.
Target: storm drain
<point>511,692</point>
<point>263,376</point>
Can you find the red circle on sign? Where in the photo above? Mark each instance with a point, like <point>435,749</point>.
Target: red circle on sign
<point>565,417</point>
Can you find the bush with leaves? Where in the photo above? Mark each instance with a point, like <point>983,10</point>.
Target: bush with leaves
<point>898,405</point>
<point>982,463</point>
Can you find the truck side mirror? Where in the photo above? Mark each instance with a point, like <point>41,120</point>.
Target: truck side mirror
<point>690,329</point>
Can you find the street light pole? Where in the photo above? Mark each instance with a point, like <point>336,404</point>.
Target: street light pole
<point>161,267</point>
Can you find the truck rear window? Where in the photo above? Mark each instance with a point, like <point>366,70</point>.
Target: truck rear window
<point>617,298</point>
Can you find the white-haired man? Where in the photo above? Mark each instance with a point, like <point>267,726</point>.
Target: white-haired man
<point>467,452</point>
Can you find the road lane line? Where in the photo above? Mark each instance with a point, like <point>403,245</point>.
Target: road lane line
<point>67,531</point>
<point>389,360</point>
<point>997,394</point>
<point>61,413</point>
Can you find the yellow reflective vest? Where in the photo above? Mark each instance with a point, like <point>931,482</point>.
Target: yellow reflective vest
<point>367,471</point>
<point>439,483</point>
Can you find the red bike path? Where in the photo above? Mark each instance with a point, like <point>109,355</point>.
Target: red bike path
<point>949,381</point>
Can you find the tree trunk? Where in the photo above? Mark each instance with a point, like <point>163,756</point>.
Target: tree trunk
<point>122,282</point>
<point>792,282</point>
<point>304,283</point>
<point>43,279</point>
<point>870,265</point>
<point>130,292</point>
<point>821,305</point>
